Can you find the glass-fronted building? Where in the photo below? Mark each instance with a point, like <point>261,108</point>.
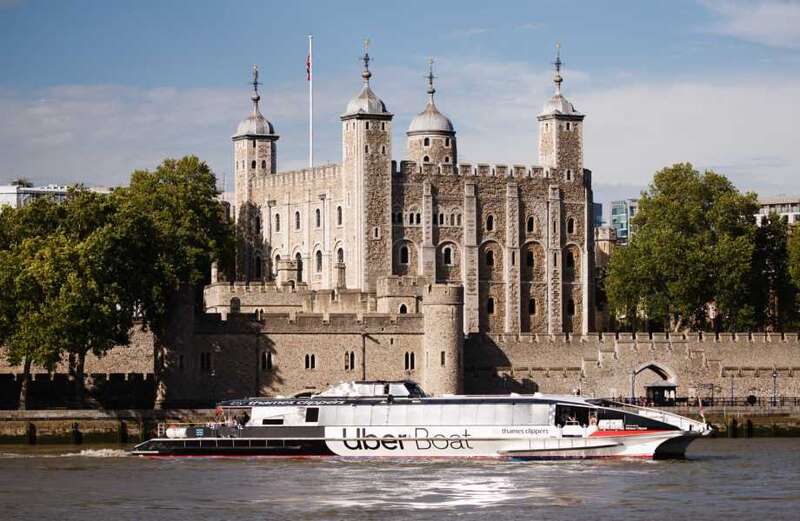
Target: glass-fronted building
<point>621,214</point>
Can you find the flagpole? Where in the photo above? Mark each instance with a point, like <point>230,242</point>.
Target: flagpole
<point>310,102</point>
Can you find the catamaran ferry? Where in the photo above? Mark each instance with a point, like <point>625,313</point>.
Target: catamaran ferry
<point>397,419</point>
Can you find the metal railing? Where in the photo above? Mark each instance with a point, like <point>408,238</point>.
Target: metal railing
<point>716,401</point>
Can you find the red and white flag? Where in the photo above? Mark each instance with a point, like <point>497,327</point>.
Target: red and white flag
<point>308,67</point>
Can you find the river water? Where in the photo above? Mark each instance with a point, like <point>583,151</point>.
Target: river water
<point>721,479</point>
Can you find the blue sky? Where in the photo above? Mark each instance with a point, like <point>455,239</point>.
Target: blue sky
<point>91,90</point>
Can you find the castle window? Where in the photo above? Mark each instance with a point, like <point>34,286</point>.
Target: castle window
<point>569,261</point>
<point>446,143</point>
<point>419,218</point>
<point>452,219</point>
<point>409,361</point>
<point>403,309</point>
<point>490,223</point>
<point>340,256</point>
<point>205,362</point>
<point>555,227</point>
<point>263,163</point>
<point>426,142</point>
<point>319,261</point>
<point>513,258</point>
<point>254,143</point>
<point>266,361</point>
<point>570,225</point>
<point>296,220</point>
<point>253,164</point>
<point>426,159</point>
<point>275,265</point>
<point>441,357</point>
<point>258,268</point>
<point>569,175</point>
<point>447,256</point>
<point>532,306</point>
<point>366,125</point>
<point>298,260</point>
<point>338,215</point>
<point>446,159</point>
<point>410,218</point>
<point>376,232</point>
<point>383,126</point>
<point>349,361</point>
<point>529,259</point>
<point>366,149</point>
<point>458,219</point>
<point>383,149</point>
<point>311,362</point>
<point>490,258</point>
<point>318,217</point>
<point>570,307</point>
<point>441,219</point>
<point>403,254</point>
<point>530,224</point>
<point>490,306</point>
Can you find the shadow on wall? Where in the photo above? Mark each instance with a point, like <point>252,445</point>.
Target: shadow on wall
<point>112,391</point>
<point>269,373</point>
<point>487,369</point>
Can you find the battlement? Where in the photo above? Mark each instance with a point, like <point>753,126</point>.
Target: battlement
<point>476,170</point>
<point>310,323</point>
<point>709,338</point>
<point>299,177</point>
<point>400,286</point>
<point>443,294</point>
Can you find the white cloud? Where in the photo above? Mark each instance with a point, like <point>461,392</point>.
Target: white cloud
<point>770,22</point>
<point>99,134</point>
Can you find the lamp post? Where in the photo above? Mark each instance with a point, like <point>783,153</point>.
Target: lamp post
<point>774,387</point>
<point>633,386</point>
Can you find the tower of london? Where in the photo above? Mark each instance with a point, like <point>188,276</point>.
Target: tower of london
<point>444,252</point>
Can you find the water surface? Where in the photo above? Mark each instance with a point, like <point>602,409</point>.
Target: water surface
<point>721,479</point>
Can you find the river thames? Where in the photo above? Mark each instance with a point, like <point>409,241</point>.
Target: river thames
<point>721,479</point>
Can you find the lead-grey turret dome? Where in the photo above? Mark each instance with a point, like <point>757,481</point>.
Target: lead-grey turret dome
<point>366,102</point>
<point>431,120</point>
<point>558,105</point>
<point>255,124</point>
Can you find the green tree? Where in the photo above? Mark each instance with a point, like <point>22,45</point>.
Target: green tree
<point>693,247</point>
<point>183,230</point>
<point>773,291</point>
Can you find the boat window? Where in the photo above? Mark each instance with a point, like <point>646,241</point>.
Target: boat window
<point>571,415</point>
<point>414,390</point>
<point>312,414</point>
<point>272,421</point>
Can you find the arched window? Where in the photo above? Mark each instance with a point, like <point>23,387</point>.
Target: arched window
<point>441,219</point>
<point>403,254</point>
<point>426,159</point>
<point>319,261</point>
<point>366,149</point>
<point>409,361</point>
<point>458,219</point>
<point>570,225</point>
<point>258,268</point>
<point>490,223</point>
<point>263,163</point>
<point>490,258</point>
<point>426,142</point>
<point>318,216</point>
<point>277,222</point>
<point>266,361</point>
<point>569,261</point>
<point>338,215</point>
<point>529,259</point>
<point>569,172</point>
<point>253,164</point>
<point>530,224</point>
<point>570,307</point>
<point>383,126</point>
<point>340,256</point>
<point>447,141</point>
<point>383,149</point>
<point>447,256</point>
<point>490,305</point>
<point>298,259</point>
<point>366,125</point>
<point>349,361</point>
<point>532,306</point>
<point>296,220</point>
<point>411,218</point>
<point>419,218</point>
<point>254,143</point>
<point>403,309</point>
<point>446,159</point>
<point>452,219</point>
<point>313,361</point>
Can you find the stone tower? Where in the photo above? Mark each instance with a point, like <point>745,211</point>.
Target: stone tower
<point>254,150</point>
<point>366,160</point>
<point>443,339</point>
<point>560,132</point>
<point>431,137</point>
<point>254,154</point>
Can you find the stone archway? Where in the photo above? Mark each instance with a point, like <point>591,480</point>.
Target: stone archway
<point>654,382</point>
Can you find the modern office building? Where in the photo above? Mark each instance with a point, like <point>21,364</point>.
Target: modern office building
<point>784,205</point>
<point>18,196</point>
<point>621,214</point>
